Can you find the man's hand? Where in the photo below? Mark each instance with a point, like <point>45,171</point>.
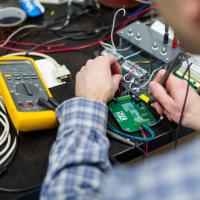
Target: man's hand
<point>99,79</point>
<point>170,100</point>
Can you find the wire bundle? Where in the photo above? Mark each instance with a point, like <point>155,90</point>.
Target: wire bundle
<point>7,143</point>
<point>64,49</point>
<point>147,82</point>
<point>137,138</point>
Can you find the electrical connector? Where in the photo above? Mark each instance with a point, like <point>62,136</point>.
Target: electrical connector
<point>63,74</point>
<point>44,103</point>
<point>174,43</point>
<point>144,98</point>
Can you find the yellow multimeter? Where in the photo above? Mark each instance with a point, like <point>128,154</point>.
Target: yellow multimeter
<point>21,86</point>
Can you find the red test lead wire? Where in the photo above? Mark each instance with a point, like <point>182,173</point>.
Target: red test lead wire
<point>146,143</point>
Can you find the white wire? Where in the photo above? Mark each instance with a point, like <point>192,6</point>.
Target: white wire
<point>17,31</point>
<point>113,26</point>
<point>144,1</point>
<point>9,153</point>
<point>67,20</point>
<point>132,55</point>
<point>127,81</point>
<point>130,71</point>
<point>2,105</point>
<point>5,138</point>
<point>130,85</point>
<point>125,49</point>
<point>5,124</point>
<point>106,45</point>
<point>35,54</point>
<point>7,146</point>
<point>112,45</point>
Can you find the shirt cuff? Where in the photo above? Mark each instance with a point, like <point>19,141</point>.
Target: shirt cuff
<point>83,113</point>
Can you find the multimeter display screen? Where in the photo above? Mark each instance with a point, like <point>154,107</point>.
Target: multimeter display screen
<point>13,66</point>
<point>23,83</point>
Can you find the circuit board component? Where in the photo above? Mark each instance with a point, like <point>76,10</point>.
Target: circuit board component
<point>130,114</point>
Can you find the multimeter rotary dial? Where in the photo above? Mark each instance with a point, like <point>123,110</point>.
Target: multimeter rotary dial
<point>26,88</point>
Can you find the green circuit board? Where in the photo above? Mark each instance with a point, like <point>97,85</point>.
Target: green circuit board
<point>129,114</point>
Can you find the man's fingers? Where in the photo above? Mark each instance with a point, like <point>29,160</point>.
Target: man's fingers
<point>159,75</point>
<point>158,108</point>
<point>111,62</point>
<point>116,68</point>
<point>171,81</point>
<point>116,80</point>
<point>161,96</point>
<point>83,68</point>
<point>168,115</point>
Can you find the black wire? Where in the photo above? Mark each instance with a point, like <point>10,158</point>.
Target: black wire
<point>52,41</point>
<point>92,32</point>
<point>184,104</point>
<point>87,35</point>
<point>18,190</point>
<point>47,27</point>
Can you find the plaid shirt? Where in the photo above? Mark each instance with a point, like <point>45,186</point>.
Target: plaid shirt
<point>79,167</point>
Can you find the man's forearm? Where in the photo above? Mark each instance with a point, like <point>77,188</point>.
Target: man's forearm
<point>79,156</point>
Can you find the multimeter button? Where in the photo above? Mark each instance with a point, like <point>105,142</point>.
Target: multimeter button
<point>9,79</point>
<point>7,75</point>
<point>16,75</point>
<point>17,78</point>
<point>21,105</point>
<point>33,76</point>
<point>28,89</point>
<point>30,104</point>
<point>25,75</point>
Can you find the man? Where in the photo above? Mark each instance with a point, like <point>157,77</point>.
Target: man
<point>78,165</point>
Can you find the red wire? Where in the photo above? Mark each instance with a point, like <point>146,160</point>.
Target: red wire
<point>31,44</point>
<point>87,45</point>
<point>146,143</point>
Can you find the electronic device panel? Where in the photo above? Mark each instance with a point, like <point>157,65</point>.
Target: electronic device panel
<point>150,41</point>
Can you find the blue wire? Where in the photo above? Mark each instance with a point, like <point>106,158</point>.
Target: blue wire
<point>143,6</point>
<point>147,139</point>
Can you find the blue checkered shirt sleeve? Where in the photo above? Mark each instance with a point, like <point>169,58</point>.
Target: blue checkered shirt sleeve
<point>79,156</point>
<point>79,166</point>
